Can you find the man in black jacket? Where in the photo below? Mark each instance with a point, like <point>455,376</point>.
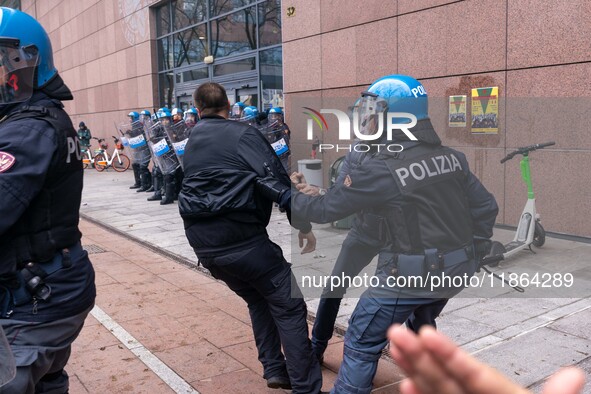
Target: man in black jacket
<point>225,221</point>
<point>46,279</point>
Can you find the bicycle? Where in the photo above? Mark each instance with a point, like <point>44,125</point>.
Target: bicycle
<point>118,161</point>
<point>87,158</point>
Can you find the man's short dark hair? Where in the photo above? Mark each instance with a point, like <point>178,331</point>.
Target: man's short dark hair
<point>211,98</point>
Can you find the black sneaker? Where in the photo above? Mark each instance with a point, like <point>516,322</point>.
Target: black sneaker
<point>279,382</point>
<point>135,186</point>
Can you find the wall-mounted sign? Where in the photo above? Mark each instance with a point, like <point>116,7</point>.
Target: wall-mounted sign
<point>485,110</point>
<point>457,111</point>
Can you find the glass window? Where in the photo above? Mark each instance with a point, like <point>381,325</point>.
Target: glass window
<point>269,23</point>
<point>192,75</point>
<point>237,66</point>
<point>165,60</point>
<point>190,46</point>
<point>15,4</point>
<point>271,77</point>
<point>166,85</point>
<point>188,12</point>
<point>218,7</point>
<point>234,33</point>
<point>163,20</point>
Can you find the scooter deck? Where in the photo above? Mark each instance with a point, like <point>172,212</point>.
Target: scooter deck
<point>513,245</point>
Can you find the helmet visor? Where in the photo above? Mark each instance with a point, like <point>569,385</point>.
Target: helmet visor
<point>236,110</point>
<point>368,113</point>
<point>17,71</point>
<point>275,118</point>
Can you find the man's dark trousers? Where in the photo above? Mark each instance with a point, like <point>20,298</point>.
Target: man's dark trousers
<point>356,253</point>
<point>258,272</point>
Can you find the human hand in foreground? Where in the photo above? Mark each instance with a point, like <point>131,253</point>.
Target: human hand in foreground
<point>435,365</point>
<point>310,242</point>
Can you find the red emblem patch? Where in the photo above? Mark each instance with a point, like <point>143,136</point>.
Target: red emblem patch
<point>6,161</point>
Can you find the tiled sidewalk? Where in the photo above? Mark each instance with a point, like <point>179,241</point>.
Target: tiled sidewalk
<point>190,322</point>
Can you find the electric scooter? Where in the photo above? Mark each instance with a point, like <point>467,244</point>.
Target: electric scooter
<point>529,230</point>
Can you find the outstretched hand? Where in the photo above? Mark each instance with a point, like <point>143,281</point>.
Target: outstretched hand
<point>434,364</point>
<point>310,242</point>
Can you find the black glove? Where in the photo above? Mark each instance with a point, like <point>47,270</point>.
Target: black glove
<point>271,188</point>
<point>481,248</point>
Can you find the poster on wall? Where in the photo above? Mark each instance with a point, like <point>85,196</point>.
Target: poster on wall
<point>457,111</point>
<point>485,110</point>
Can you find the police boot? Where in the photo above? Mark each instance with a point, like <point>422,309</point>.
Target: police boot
<point>145,184</point>
<point>168,193</point>
<point>136,176</point>
<point>157,187</point>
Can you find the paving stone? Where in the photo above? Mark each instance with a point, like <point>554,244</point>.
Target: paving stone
<point>530,358</point>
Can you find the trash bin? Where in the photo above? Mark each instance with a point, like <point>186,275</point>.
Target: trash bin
<point>333,174</point>
<point>312,170</point>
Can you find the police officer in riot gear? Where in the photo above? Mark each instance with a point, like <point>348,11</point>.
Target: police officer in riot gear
<point>250,116</point>
<point>140,154</point>
<point>133,116</point>
<point>277,134</point>
<point>432,208</point>
<point>46,279</point>
<point>225,222</point>
<point>164,158</point>
<point>237,110</point>
<point>191,117</point>
<point>157,177</point>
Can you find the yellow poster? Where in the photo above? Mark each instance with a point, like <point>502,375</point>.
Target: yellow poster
<point>457,111</point>
<point>485,110</point>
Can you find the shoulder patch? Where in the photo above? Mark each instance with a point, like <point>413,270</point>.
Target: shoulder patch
<point>6,161</point>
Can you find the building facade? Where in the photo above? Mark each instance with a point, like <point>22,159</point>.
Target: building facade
<point>537,53</point>
<point>119,56</point>
<point>123,55</point>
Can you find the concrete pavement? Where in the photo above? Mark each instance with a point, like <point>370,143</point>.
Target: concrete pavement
<point>527,336</point>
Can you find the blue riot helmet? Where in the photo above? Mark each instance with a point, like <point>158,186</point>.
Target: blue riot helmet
<point>164,116</point>
<point>145,115</point>
<point>392,93</point>
<point>250,114</point>
<point>237,109</point>
<point>177,114</point>
<point>26,57</point>
<point>275,116</point>
<point>133,116</point>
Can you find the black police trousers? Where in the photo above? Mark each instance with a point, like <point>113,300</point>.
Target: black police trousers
<point>259,274</point>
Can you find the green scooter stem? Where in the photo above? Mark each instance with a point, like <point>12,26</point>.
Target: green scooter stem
<point>526,175</point>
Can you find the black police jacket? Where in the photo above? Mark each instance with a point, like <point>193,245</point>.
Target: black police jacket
<point>218,201</point>
<point>438,203</point>
<point>40,191</point>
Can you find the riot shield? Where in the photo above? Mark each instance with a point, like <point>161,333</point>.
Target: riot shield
<point>179,135</point>
<point>135,140</point>
<point>163,153</point>
<point>279,141</point>
<point>7,362</point>
<point>277,138</point>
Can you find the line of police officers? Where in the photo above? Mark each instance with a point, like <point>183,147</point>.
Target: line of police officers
<point>162,138</point>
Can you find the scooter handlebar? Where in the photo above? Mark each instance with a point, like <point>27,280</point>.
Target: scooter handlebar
<point>527,149</point>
